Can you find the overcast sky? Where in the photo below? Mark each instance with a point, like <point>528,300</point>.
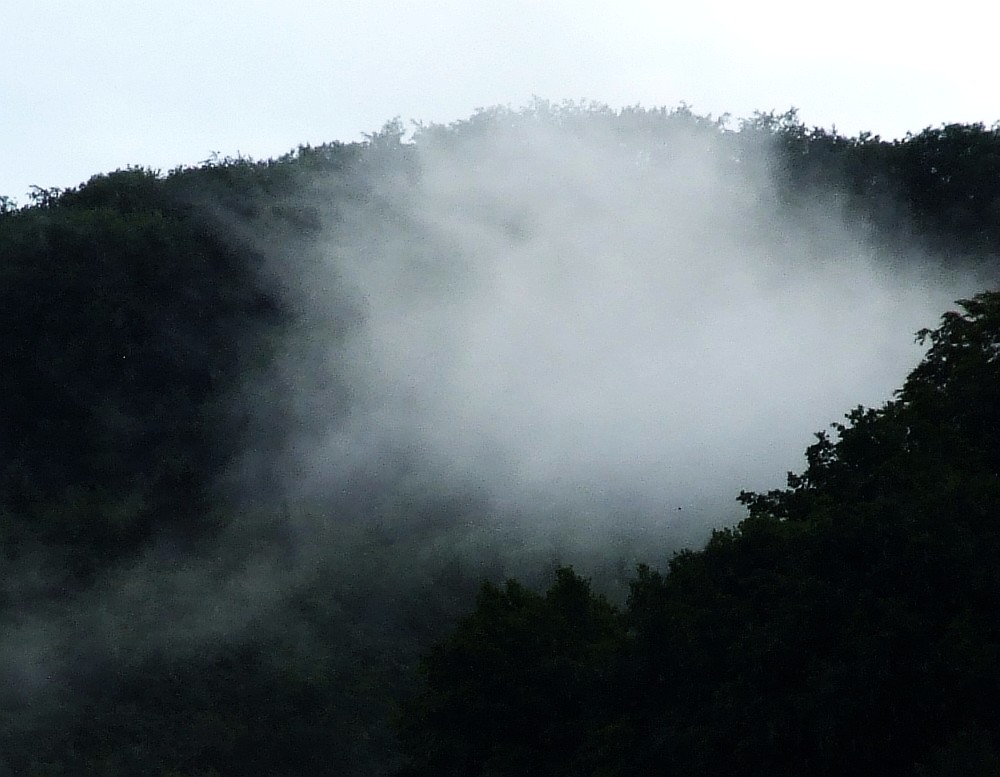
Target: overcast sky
<point>88,86</point>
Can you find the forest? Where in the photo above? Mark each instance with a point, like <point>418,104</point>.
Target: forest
<point>316,464</point>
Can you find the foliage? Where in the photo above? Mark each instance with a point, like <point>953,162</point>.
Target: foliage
<point>519,686</point>
<point>847,626</point>
<point>121,309</point>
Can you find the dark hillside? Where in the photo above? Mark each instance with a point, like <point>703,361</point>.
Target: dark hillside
<point>847,626</point>
<point>187,591</point>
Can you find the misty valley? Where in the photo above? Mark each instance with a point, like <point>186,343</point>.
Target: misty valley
<point>553,441</point>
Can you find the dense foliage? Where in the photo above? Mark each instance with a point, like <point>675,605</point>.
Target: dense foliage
<point>848,625</point>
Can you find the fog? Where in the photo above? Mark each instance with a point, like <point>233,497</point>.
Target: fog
<point>597,324</point>
<point>533,338</point>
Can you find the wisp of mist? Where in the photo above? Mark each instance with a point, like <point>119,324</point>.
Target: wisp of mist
<point>597,329</point>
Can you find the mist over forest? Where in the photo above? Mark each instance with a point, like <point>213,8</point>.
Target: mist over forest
<point>472,449</point>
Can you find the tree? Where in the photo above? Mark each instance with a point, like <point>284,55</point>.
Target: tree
<point>847,626</point>
<point>521,686</point>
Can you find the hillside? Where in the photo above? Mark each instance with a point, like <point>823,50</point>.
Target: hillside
<point>246,481</point>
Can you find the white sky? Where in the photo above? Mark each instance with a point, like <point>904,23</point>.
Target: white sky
<point>88,86</point>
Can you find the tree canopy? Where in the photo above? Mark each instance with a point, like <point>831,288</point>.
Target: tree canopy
<point>848,625</point>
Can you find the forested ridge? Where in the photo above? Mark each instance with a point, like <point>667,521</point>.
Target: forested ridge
<point>847,625</point>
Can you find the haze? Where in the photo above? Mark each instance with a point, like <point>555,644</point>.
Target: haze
<point>545,336</point>
<point>587,323</point>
